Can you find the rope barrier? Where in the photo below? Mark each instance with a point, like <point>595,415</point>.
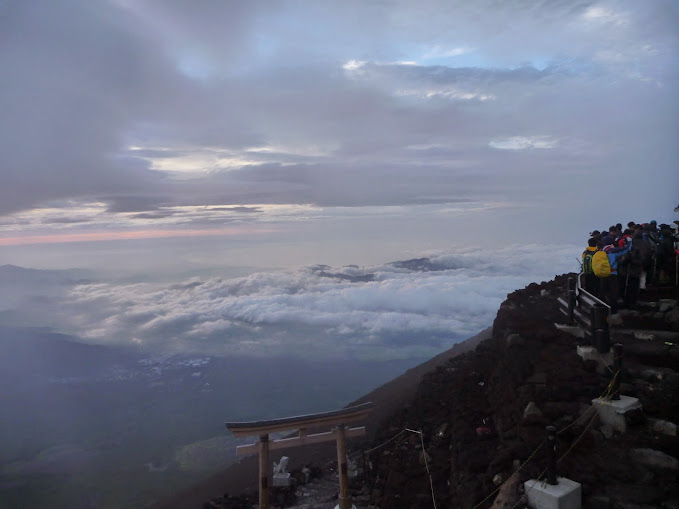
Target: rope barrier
<point>516,504</point>
<point>603,361</point>
<point>606,394</point>
<point>577,440</point>
<point>424,456</point>
<point>426,465</point>
<point>385,443</point>
<point>505,481</point>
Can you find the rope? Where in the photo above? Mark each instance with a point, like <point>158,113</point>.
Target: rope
<point>605,394</point>
<point>515,471</point>
<point>519,500</point>
<point>426,464</point>
<point>424,455</point>
<point>575,442</point>
<point>385,443</point>
<point>603,361</point>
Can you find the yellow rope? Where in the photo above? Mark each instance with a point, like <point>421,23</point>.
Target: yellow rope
<point>526,493</point>
<point>517,470</point>
<point>575,442</point>
<point>605,395</point>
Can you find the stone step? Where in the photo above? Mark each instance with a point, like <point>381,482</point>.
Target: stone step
<point>647,334</point>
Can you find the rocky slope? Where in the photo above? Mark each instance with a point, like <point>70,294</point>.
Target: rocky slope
<point>525,377</point>
<point>481,415</point>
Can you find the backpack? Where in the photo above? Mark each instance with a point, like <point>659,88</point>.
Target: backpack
<point>587,262</point>
<point>600,264</point>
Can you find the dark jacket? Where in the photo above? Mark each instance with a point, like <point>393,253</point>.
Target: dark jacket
<point>633,263</point>
<point>615,253</point>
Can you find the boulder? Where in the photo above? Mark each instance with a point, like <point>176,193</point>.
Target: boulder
<point>665,305</point>
<point>644,335</point>
<point>654,459</point>
<point>532,413</point>
<point>672,319</point>
<point>664,428</point>
<point>515,340</point>
<point>424,458</point>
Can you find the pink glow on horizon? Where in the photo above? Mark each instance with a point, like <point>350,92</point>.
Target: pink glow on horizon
<point>137,235</point>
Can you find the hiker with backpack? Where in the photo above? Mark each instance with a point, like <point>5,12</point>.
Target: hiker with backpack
<point>666,257</point>
<point>605,267</point>
<point>650,237</point>
<point>630,267</point>
<point>591,281</point>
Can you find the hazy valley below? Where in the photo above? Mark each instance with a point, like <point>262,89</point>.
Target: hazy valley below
<point>93,426</point>
<point>115,393</point>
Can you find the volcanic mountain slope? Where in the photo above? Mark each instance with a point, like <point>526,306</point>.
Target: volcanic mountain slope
<point>528,360</point>
<point>387,399</point>
<point>482,414</point>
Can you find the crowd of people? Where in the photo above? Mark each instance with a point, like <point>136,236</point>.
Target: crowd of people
<point>619,263</point>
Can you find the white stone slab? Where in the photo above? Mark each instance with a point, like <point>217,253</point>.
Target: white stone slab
<point>573,330</point>
<point>589,353</point>
<point>566,494</point>
<point>281,479</point>
<point>613,411</point>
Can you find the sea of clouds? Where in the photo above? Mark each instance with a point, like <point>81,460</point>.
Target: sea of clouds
<point>396,310</point>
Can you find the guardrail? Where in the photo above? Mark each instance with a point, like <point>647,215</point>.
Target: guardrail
<point>587,311</point>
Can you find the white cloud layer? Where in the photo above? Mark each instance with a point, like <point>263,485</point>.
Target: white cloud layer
<point>395,310</point>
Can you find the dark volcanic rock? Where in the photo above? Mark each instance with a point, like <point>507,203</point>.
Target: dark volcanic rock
<point>527,361</point>
<point>466,410</point>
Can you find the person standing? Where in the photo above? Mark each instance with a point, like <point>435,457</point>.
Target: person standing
<point>630,268</point>
<point>591,282</point>
<point>609,286</point>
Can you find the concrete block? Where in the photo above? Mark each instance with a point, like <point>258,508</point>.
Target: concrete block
<point>589,353</point>
<point>573,330</point>
<point>281,480</point>
<point>565,495</point>
<point>612,412</point>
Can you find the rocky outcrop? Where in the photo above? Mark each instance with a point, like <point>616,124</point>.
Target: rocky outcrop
<point>525,377</point>
<point>468,427</point>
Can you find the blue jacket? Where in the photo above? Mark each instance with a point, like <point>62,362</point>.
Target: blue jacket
<point>615,253</point>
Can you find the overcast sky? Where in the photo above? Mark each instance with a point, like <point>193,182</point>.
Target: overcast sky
<point>153,134</point>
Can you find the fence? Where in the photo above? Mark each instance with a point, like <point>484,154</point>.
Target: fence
<point>587,311</point>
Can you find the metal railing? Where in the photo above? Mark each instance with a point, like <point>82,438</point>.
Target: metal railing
<point>587,311</point>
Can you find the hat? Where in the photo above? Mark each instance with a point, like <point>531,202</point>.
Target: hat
<point>654,221</point>
<point>595,233</point>
<point>607,240</point>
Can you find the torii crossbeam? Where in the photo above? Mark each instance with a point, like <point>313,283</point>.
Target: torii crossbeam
<point>336,418</point>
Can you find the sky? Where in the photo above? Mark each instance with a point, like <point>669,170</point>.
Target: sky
<point>148,135</point>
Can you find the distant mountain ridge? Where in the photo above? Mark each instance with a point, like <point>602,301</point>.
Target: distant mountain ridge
<point>16,274</point>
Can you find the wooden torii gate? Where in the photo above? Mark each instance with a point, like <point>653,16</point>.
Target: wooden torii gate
<point>336,418</point>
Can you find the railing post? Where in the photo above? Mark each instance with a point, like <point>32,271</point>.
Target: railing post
<point>551,456</point>
<point>264,472</point>
<point>617,363</point>
<point>571,298</point>
<point>344,499</point>
<point>592,325</point>
<point>601,333</point>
